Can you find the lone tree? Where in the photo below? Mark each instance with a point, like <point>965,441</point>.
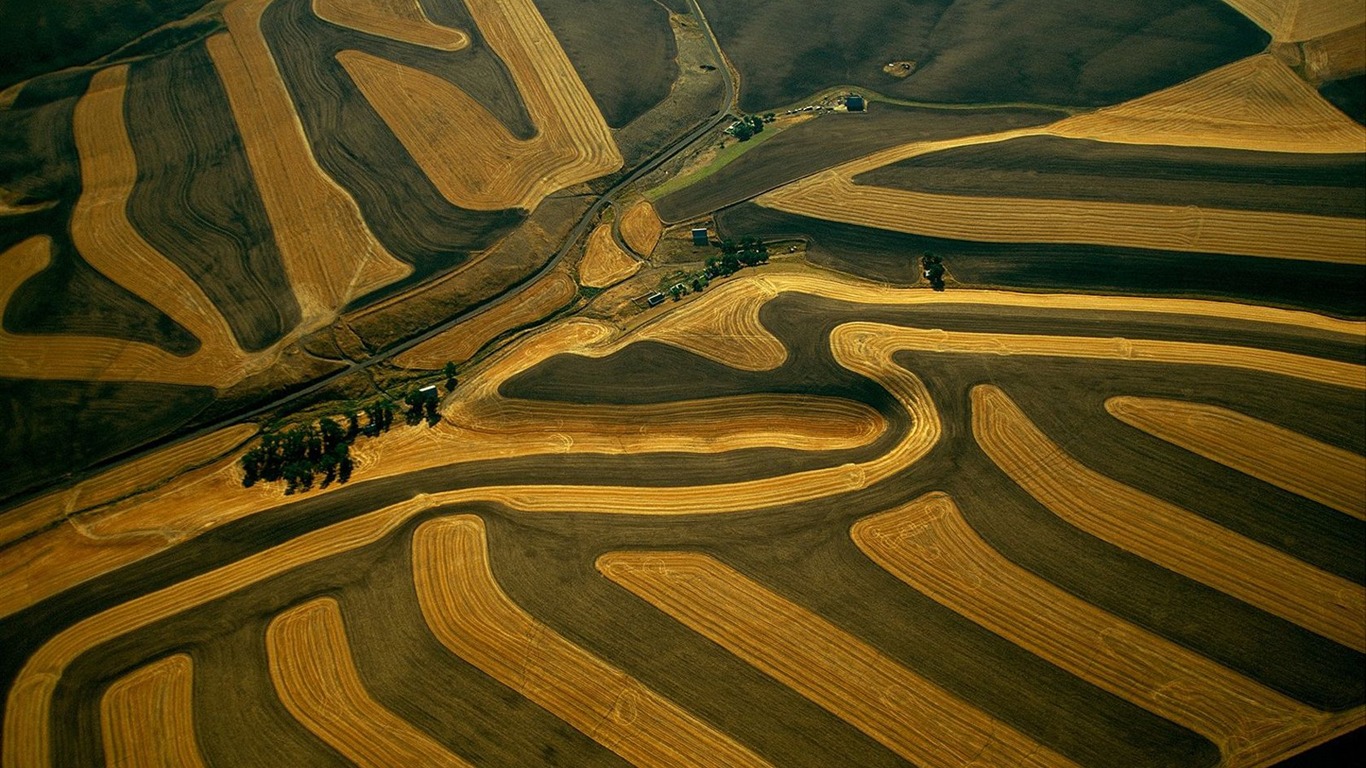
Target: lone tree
<point>933,267</point>
<point>449,370</point>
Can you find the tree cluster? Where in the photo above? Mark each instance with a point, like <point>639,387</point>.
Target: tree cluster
<point>735,256</point>
<point>422,404</point>
<point>299,454</point>
<point>746,127</point>
<point>933,267</point>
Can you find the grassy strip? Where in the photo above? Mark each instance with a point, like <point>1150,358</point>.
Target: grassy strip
<point>722,159</point>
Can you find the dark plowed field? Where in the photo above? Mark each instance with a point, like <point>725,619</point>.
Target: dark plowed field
<point>196,200</point>
<point>976,51</point>
<point>1072,169</point>
<point>830,140</point>
<point>545,562</point>
<point>880,254</point>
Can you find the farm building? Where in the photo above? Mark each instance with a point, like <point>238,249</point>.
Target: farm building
<point>699,236</point>
<point>854,103</point>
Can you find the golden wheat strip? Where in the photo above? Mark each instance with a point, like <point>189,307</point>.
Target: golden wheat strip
<point>467,153</point>
<point>1296,20</point>
<point>329,253</point>
<point>1285,458</point>
<point>929,545</point>
<point>641,228</point>
<point>1163,533</point>
<point>604,262</point>
<point>471,615</point>
<point>725,328</point>
<point>402,20</point>
<point>903,711</point>
<point>833,196</point>
<point>311,665</point>
<point>146,717</point>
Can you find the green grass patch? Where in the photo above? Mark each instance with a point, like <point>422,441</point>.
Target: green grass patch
<point>722,159</point>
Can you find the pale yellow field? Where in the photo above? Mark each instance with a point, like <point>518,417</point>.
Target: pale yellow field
<point>641,228</point>
<point>724,328</point>
<point>141,526</point>
<point>854,681</point>
<point>464,340</point>
<point>1341,54</point>
<point>929,545</point>
<point>402,20</point>
<point>465,151</point>
<point>147,719</point>
<point>469,613</point>
<point>604,262</point>
<point>1163,533</point>
<point>132,478</point>
<point>329,254</point>
<point>1299,464</point>
<point>317,680</point>
<point>1295,20</point>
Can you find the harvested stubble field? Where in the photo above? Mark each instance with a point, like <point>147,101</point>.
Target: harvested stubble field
<point>402,20</point>
<point>604,262</point>
<point>640,227</point>
<point>462,573</point>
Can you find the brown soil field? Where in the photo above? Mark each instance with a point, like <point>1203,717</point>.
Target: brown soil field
<point>604,262</point>
<point>460,343</point>
<point>147,719</point>
<point>402,20</point>
<point>329,253</point>
<point>910,715</point>
<point>1329,475</point>
<point>465,608</point>
<point>640,227</point>
<point>1163,533</point>
<point>1074,169</point>
<point>830,140</point>
<point>195,199</point>
<point>312,667</point>
<point>1294,20</point>
<point>471,158</point>
<point>133,478</point>
<point>929,545</point>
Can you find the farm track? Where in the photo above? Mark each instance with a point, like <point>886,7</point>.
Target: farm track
<point>1299,464</point>
<point>402,20</point>
<point>604,262</point>
<point>929,545</point>
<point>1163,533</point>
<point>147,719</point>
<point>464,150</point>
<point>910,715</point>
<point>470,614</point>
<point>311,665</point>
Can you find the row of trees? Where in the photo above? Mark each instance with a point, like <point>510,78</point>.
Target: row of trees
<point>304,454</point>
<point>735,256</point>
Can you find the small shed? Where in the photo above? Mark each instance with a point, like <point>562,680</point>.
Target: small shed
<point>699,236</point>
<point>854,103</point>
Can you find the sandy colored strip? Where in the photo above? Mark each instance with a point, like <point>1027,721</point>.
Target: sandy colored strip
<point>641,228</point>
<point>139,527</point>
<point>402,20</point>
<point>467,610</point>
<point>724,328</point>
<point>462,342</point>
<point>329,253</point>
<point>131,478</point>
<point>833,196</point>
<point>1287,459</point>
<point>1163,533</point>
<point>930,546</point>
<point>1294,20</point>
<point>903,711</point>
<point>466,152</point>
<point>147,717</point>
<point>604,262</point>
<point>316,678</point>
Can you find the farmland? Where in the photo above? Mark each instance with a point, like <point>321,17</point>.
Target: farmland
<point>372,398</point>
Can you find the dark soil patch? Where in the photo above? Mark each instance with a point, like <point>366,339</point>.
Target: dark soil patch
<point>829,140</point>
<point>977,51</point>
<point>1348,95</point>
<point>50,428</point>
<point>196,200</point>
<point>1050,167</point>
<point>878,254</point>
<point>623,51</point>
<point>353,144</point>
<point>1342,752</point>
<point>42,37</point>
